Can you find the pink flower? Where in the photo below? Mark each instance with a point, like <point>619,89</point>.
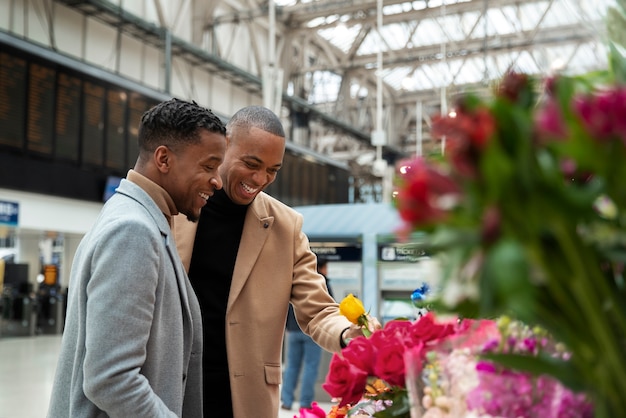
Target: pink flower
<point>549,122</point>
<point>313,412</point>
<point>345,380</point>
<point>604,114</point>
<point>397,329</point>
<point>595,112</point>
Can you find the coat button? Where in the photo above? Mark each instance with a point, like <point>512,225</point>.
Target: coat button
<point>266,225</point>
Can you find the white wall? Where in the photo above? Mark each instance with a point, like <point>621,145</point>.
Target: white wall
<point>49,213</point>
<point>41,215</point>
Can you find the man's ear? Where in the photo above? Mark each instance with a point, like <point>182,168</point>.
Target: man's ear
<point>162,157</point>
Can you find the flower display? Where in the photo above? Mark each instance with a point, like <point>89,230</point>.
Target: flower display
<point>525,211</point>
<point>446,368</point>
<point>370,371</point>
<point>459,381</point>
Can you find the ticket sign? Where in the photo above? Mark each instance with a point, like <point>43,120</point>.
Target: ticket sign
<point>9,213</point>
<point>337,253</point>
<point>400,253</point>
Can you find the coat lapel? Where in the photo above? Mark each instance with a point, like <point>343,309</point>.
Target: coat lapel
<point>256,229</point>
<point>135,192</point>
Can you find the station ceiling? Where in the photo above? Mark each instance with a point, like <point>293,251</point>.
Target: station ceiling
<point>340,59</point>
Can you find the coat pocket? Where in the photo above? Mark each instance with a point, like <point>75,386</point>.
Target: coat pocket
<point>273,374</point>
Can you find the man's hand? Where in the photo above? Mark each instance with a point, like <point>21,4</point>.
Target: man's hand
<point>356,331</point>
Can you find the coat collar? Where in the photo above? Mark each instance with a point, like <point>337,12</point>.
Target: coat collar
<point>256,229</point>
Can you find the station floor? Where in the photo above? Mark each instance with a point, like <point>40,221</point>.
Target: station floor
<point>27,367</point>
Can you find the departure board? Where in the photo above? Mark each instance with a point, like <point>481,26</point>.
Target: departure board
<point>57,113</point>
<point>116,126</point>
<point>67,120</point>
<point>137,106</point>
<point>93,123</point>
<point>12,100</point>
<point>40,121</point>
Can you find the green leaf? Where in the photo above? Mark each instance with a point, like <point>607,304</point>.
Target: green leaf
<point>617,62</point>
<point>504,282</point>
<point>400,407</point>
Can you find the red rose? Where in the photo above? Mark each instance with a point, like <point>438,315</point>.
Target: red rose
<point>425,193</point>
<point>361,353</point>
<point>425,329</point>
<point>345,380</point>
<point>389,364</point>
<point>399,329</point>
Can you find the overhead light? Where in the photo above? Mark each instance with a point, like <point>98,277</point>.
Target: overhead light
<point>379,167</point>
<point>408,83</point>
<point>557,65</point>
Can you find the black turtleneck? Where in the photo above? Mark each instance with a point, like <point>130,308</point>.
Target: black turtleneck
<point>211,271</point>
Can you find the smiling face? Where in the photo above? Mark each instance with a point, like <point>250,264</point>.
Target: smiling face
<point>193,173</point>
<point>251,163</point>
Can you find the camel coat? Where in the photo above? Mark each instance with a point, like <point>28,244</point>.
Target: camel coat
<point>274,266</point>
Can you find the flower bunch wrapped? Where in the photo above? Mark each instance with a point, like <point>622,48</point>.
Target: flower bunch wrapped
<point>369,374</point>
<point>447,368</point>
<point>458,381</point>
<point>526,209</point>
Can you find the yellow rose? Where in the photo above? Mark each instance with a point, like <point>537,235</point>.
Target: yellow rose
<point>352,308</point>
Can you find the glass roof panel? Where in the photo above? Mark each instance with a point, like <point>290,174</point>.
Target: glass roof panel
<point>342,36</point>
<point>428,33</point>
<point>498,26</point>
<point>325,87</point>
<point>371,44</point>
<point>395,35</point>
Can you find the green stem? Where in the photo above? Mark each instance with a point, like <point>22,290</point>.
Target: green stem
<point>592,294</point>
<point>363,322</point>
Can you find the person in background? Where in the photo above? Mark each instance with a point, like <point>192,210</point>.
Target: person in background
<point>248,259</point>
<point>303,354</point>
<point>132,343</point>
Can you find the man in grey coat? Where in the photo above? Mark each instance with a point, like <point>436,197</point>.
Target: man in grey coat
<point>132,344</point>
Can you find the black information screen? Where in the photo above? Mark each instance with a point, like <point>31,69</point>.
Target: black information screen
<point>93,123</point>
<point>67,126</point>
<point>12,100</point>
<point>116,125</point>
<point>137,106</point>
<point>58,113</point>
<point>39,128</point>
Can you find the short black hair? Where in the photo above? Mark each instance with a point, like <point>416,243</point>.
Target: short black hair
<point>256,117</point>
<point>176,122</point>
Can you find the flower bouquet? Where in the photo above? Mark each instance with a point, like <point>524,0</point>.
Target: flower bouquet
<point>458,380</point>
<point>442,367</point>
<point>526,211</point>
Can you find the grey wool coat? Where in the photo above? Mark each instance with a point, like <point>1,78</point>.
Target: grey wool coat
<point>132,344</point>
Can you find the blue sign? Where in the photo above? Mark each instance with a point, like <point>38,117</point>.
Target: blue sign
<point>111,185</point>
<point>9,212</point>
